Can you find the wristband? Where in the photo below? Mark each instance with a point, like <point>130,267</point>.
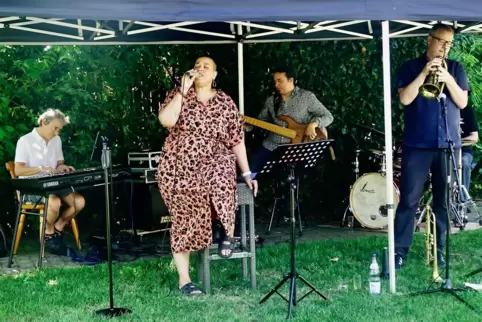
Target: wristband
<point>247,173</point>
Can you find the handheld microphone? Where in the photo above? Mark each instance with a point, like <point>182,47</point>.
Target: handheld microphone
<point>192,73</point>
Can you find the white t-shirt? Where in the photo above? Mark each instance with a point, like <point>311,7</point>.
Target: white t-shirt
<point>35,152</point>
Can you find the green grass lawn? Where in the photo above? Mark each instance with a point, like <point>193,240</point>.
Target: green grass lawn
<point>73,294</point>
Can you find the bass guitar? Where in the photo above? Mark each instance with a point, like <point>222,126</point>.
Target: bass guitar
<point>294,130</point>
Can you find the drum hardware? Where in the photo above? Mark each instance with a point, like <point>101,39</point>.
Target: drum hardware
<point>357,164</point>
<point>382,157</point>
<point>356,171</point>
<point>279,195</point>
<point>383,164</point>
<point>377,152</point>
<point>370,129</point>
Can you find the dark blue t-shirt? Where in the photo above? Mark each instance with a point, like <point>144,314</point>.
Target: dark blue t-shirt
<point>469,125</point>
<point>424,122</point>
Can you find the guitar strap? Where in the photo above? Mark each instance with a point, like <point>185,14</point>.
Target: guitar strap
<point>276,104</point>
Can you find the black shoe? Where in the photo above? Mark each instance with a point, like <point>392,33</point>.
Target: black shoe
<point>398,261</point>
<point>56,246</point>
<point>218,231</point>
<point>440,260</point>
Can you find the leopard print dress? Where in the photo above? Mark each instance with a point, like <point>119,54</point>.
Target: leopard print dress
<point>197,169</point>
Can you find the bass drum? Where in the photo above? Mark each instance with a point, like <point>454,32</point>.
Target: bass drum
<point>368,200</point>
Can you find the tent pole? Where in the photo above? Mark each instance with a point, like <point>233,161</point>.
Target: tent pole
<point>240,72</point>
<point>388,150</point>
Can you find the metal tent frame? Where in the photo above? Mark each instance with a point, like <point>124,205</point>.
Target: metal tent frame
<point>16,30</point>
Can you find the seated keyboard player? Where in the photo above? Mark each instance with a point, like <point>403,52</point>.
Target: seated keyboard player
<point>40,152</point>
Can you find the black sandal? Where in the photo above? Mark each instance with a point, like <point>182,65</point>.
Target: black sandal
<point>50,236</point>
<point>190,289</point>
<point>226,244</point>
<point>58,232</point>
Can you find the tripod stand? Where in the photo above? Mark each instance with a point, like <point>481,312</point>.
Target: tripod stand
<point>106,160</point>
<point>294,157</point>
<point>451,164</point>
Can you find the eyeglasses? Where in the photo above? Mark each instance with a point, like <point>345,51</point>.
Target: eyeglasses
<point>444,42</point>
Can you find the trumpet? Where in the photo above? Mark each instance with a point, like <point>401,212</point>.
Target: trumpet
<point>431,242</point>
<point>432,87</point>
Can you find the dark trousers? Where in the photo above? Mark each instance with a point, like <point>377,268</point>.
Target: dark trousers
<point>467,159</point>
<point>416,164</point>
<point>258,160</point>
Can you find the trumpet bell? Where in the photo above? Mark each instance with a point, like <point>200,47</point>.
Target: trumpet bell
<point>432,87</point>
<point>430,90</point>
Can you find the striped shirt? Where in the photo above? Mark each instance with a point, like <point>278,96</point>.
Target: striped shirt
<point>302,106</point>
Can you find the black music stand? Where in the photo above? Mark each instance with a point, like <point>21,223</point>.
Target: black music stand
<point>103,141</point>
<point>293,158</point>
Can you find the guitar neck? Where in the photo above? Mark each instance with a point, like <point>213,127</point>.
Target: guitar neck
<point>270,127</point>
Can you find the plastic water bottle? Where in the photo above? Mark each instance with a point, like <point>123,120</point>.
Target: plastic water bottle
<point>374,280</point>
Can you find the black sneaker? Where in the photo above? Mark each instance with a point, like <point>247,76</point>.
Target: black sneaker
<point>398,261</point>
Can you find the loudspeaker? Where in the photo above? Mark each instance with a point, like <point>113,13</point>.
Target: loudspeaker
<point>148,208</point>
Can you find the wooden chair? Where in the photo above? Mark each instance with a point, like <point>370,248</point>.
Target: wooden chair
<point>29,207</point>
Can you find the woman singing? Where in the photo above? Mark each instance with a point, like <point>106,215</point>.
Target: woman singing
<point>197,170</point>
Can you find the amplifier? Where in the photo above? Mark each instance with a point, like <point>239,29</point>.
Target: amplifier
<point>140,161</point>
<point>149,210</point>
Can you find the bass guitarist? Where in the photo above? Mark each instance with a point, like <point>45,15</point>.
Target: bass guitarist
<point>289,100</point>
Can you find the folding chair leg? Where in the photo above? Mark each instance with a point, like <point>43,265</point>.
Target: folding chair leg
<point>19,233</point>
<point>75,232</point>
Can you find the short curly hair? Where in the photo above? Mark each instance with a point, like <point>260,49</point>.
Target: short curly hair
<point>52,114</point>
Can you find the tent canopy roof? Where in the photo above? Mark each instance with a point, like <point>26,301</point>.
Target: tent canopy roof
<point>246,10</point>
<point>228,21</point>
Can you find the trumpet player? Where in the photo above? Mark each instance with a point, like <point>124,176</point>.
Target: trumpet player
<point>425,139</point>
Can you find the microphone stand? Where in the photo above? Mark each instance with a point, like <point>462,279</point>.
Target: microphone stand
<point>447,283</point>
<point>106,165</point>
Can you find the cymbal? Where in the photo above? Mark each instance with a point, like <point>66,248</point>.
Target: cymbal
<point>370,129</point>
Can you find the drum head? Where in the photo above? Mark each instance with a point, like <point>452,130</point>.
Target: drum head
<point>368,200</point>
